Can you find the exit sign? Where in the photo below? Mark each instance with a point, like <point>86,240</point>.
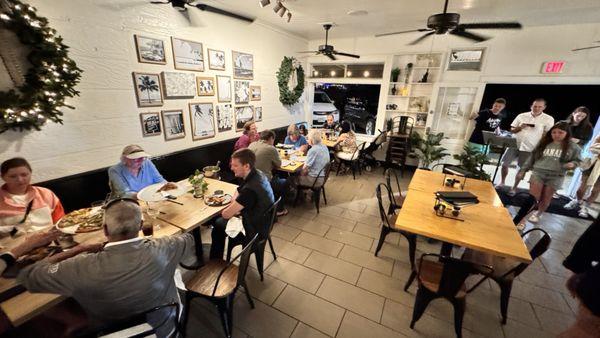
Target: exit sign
<point>553,67</point>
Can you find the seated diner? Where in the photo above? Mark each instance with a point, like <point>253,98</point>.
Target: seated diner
<point>295,138</point>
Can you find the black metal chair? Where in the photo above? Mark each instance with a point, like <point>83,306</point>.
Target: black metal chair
<point>260,246</point>
<point>444,278</point>
<point>387,225</point>
<point>526,206</point>
<point>218,282</point>
<point>315,187</point>
<point>355,162</point>
<point>505,269</point>
<point>139,325</point>
<point>396,198</point>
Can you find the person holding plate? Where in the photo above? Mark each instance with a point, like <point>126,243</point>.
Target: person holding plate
<point>25,207</point>
<point>134,173</point>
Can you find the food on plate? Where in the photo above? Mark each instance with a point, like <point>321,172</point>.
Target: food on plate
<point>168,186</point>
<point>86,220</point>
<point>215,199</point>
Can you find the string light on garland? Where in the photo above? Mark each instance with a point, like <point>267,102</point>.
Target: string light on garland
<point>46,85</point>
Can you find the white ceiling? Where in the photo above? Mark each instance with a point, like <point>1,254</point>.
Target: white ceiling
<point>394,15</point>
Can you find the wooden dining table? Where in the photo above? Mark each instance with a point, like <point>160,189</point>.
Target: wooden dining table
<point>174,219</point>
<point>295,162</point>
<point>486,226</point>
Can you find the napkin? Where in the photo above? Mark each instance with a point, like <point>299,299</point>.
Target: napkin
<point>234,227</point>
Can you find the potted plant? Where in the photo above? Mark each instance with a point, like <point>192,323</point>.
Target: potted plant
<point>395,74</point>
<point>428,149</point>
<point>198,183</point>
<point>473,160</point>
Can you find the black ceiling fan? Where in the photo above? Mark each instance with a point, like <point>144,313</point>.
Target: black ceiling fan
<point>445,22</point>
<point>328,50</point>
<point>180,5</point>
<point>584,48</point>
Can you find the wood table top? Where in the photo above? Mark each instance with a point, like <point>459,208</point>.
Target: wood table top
<point>432,181</point>
<point>297,162</point>
<point>487,227</point>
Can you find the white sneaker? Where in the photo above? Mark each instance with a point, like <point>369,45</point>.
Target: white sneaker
<point>534,218</point>
<point>572,205</point>
<point>583,212</point>
<point>511,192</point>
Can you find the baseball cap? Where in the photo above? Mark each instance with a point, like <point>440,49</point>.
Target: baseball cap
<point>133,151</point>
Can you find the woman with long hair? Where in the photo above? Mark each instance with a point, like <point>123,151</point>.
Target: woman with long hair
<point>554,155</point>
<point>581,127</point>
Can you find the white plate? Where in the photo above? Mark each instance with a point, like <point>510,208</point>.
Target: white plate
<point>226,200</point>
<point>73,229</point>
<point>151,193</point>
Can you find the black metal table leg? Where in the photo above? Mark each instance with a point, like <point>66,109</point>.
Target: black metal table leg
<point>446,249</point>
<point>198,240</point>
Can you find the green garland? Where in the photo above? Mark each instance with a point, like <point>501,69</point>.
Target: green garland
<point>286,96</point>
<point>51,78</point>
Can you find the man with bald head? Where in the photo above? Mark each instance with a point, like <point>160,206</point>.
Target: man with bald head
<point>128,275</point>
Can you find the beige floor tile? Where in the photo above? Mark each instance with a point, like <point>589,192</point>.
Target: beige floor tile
<point>313,227</point>
<point>540,296</point>
<point>263,320</point>
<point>366,259</point>
<point>355,205</point>
<point>375,232</point>
<point>544,280</point>
<point>478,320</point>
<point>267,290</point>
<point>514,329</point>
<point>364,303</point>
<point>314,311</point>
<point>296,274</point>
<point>305,331</point>
<point>355,326</point>
<point>332,266</point>
<point>402,271</point>
<point>286,232</point>
<point>204,322</point>
<point>518,310</point>
<point>330,209</point>
<point>336,221</point>
<point>398,252</point>
<point>361,217</point>
<point>552,321</point>
<point>385,286</point>
<point>268,259</point>
<point>351,238</point>
<point>290,250</point>
<point>326,246</point>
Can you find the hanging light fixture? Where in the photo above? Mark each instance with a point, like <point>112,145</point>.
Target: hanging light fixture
<point>264,3</point>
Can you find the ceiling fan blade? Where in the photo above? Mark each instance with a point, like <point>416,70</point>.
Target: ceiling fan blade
<point>309,51</point>
<point>469,35</point>
<point>402,32</point>
<point>208,8</point>
<point>346,54</point>
<point>159,2</point>
<point>576,49</point>
<point>491,25</point>
<point>421,38</point>
<point>331,56</point>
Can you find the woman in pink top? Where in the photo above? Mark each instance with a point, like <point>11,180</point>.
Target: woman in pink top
<point>24,206</point>
<point>250,135</point>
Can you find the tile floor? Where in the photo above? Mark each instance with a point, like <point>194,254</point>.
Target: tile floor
<point>326,282</point>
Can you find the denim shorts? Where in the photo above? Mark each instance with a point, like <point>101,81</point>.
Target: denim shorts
<point>550,179</point>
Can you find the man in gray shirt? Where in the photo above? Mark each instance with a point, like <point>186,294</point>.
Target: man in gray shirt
<point>129,275</point>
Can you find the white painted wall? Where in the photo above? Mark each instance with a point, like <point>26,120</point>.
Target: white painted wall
<point>100,35</point>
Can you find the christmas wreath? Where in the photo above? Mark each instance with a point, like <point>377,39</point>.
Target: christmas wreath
<point>287,95</point>
<point>50,79</point>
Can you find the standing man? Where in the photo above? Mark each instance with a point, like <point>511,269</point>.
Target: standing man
<point>267,160</point>
<point>528,128</point>
<point>252,199</point>
<point>488,120</point>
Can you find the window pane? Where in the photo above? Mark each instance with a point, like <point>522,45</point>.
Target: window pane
<point>369,71</point>
<point>328,71</point>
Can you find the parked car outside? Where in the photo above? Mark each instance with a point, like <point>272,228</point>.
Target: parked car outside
<point>323,106</point>
<point>361,114</point>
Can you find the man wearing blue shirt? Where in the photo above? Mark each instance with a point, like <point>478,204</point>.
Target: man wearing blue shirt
<point>316,159</point>
<point>294,137</point>
<point>134,173</point>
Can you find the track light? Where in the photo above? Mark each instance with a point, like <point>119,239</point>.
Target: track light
<point>282,11</point>
<point>289,15</point>
<point>179,5</point>
<point>277,7</point>
<point>264,3</point>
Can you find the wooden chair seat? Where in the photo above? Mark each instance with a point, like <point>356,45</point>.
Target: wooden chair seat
<point>203,282</point>
<point>399,198</point>
<point>392,218</point>
<point>430,277</point>
<point>500,265</point>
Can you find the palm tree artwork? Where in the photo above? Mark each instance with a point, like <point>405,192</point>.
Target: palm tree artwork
<point>147,85</point>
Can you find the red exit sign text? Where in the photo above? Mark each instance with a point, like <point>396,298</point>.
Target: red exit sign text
<point>553,67</point>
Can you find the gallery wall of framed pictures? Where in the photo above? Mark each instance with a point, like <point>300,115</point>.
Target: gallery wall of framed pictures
<point>204,84</point>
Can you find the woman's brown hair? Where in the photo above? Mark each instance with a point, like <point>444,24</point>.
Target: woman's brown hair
<point>14,162</point>
<point>547,139</point>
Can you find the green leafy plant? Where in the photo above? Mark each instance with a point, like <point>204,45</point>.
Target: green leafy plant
<point>473,160</point>
<point>287,96</point>
<point>395,74</point>
<point>428,149</point>
<point>197,181</point>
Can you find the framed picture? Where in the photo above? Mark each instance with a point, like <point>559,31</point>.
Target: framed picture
<point>216,59</point>
<point>173,124</point>
<point>223,88</point>
<point>150,50</point>
<point>150,124</point>
<point>255,93</point>
<point>421,120</point>
<point>147,89</point>
<point>242,91</point>
<point>243,114</point>
<point>187,55</point>
<point>418,104</point>
<point>206,86</point>
<point>178,85</point>
<point>224,117</point>
<point>258,114</point>
<point>243,65</point>
<point>466,59</point>
<point>203,121</point>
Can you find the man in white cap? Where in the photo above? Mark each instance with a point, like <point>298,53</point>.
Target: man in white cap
<point>134,173</point>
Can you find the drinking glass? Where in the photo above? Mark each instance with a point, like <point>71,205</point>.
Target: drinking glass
<point>153,212</point>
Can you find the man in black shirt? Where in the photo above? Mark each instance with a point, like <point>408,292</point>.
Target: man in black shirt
<point>252,199</point>
<point>487,120</point>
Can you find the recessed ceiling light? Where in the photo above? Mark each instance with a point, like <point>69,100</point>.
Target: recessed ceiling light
<point>366,73</point>
<point>357,12</point>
